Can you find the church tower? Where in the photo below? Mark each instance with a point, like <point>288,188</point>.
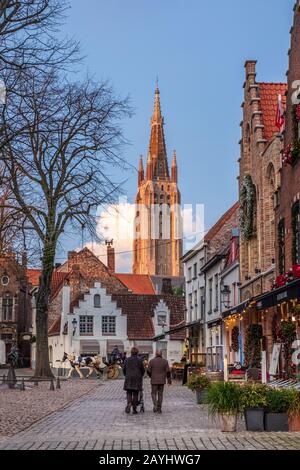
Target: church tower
<point>157,245</point>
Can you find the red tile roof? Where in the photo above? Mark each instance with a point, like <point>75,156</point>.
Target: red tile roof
<point>33,276</point>
<point>140,312</point>
<point>268,101</point>
<point>58,279</point>
<point>54,329</point>
<point>137,283</point>
<point>219,224</point>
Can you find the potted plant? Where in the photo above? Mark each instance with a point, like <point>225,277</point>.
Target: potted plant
<point>294,410</point>
<point>276,417</point>
<point>224,400</point>
<point>254,401</point>
<point>199,384</point>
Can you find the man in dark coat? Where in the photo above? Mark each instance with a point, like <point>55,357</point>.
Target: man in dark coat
<point>159,372</point>
<point>133,371</point>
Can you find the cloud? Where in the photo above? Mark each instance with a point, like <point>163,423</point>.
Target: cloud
<point>115,222</point>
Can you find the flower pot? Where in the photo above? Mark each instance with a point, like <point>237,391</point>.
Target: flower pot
<point>254,418</point>
<point>276,422</point>
<point>294,423</point>
<point>201,396</point>
<point>228,422</point>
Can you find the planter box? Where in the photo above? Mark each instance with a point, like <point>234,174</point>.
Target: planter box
<point>228,422</point>
<point>294,424</point>
<point>276,422</point>
<point>201,396</point>
<point>254,418</point>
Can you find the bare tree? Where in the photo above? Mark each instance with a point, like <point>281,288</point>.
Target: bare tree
<point>59,142</point>
<point>28,34</point>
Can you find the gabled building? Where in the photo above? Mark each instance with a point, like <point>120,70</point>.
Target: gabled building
<point>15,307</point>
<point>96,321</point>
<point>197,297</point>
<point>259,181</point>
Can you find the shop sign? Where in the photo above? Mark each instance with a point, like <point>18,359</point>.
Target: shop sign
<point>282,296</point>
<point>275,359</point>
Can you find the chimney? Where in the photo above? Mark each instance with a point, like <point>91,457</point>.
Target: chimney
<point>166,286</point>
<point>111,264</point>
<point>24,259</point>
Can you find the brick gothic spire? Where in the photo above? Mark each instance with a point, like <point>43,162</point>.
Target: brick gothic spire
<point>157,146</point>
<point>141,174</point>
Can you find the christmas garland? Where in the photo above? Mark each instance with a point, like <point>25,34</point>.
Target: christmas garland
<point>247,208</point>
<point>253,346</point>
<point>235,339</point>
<point>288,336</point>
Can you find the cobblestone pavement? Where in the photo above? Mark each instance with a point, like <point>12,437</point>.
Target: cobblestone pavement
<point>98,421</point>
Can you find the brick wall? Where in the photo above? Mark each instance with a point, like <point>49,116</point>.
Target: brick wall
<point>260,158</point>
<point>290,175</point>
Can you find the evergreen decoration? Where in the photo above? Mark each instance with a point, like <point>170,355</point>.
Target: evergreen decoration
<point>288,336</point>
<point>235,339</point>
<point>253,346</point>
<point>247,208</point>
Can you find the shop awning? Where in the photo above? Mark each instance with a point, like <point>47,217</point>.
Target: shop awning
<point>214,323</point>
<point>111,343</point>
<point>89,347</point>
<point>236,309</point>
<point>283,294</point>
<point>144,347</point>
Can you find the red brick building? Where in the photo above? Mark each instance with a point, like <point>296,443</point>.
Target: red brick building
<point>15,306</point>
<point>288,208</point>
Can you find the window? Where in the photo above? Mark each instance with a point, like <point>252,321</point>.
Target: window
<point>86,325</point>
<point>195,270</point>
<point>202,301</point>
<point>7,309</point>
<point>108,325</point>
<point>161,320</point>
<point>97,301</point>
<point>216,292</point>
<point>195,304</point>
<point>210,294</point>
<point>281,246</point>
<point>190,305</point>
<point>190,274</point>
<point>296,233</point>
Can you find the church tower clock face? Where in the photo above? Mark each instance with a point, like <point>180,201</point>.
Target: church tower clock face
<point>156,250</point>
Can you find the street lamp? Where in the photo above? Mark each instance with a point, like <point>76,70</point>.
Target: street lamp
<point>74,323</point>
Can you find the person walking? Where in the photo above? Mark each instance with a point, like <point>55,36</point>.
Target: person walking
<point>134,372</point>
<point>159,373</point>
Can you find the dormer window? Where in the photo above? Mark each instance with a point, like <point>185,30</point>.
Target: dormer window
<point>97,301</point>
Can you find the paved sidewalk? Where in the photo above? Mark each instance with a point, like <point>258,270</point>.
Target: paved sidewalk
<point>98,421</point>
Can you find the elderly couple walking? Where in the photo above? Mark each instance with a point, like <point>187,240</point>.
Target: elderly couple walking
<point>159,373</point>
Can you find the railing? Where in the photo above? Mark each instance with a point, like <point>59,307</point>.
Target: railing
<point>19,382</point>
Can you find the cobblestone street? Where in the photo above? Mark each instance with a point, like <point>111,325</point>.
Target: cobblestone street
<point>98,421</point>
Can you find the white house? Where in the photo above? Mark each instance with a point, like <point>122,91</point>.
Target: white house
<point>96,321</point>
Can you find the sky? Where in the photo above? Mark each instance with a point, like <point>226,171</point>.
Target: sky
<point>197,49</point>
